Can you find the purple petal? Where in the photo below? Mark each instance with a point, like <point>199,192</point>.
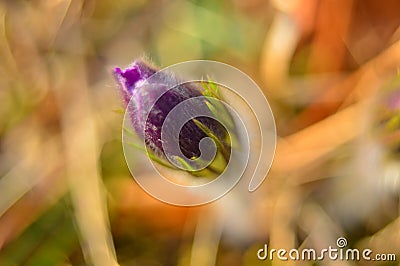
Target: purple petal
<point>129,78</point>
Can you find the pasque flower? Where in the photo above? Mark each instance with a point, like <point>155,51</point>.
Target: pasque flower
<point>142,92</point>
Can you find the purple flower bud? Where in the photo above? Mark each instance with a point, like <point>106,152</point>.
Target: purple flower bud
<point>131,77</point>
<point>135,83</point>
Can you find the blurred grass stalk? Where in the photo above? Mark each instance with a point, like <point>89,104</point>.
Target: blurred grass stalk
<point>349,95</point>
<point>319,137</point>
<point>80,142</point>
<point>78,131</point>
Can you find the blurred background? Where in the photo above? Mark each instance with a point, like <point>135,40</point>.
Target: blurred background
<point>329,69</point>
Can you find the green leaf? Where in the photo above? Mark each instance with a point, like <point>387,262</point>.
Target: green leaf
<point>151,155</point>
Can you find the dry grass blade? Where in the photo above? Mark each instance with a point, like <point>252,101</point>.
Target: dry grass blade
<point>86,188</point>
<point>314,142</point>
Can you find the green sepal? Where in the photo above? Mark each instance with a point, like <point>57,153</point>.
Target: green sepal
<point>151,155</point>
<point>119,111</point>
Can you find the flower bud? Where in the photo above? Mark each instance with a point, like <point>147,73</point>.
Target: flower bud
<point>140,92</point>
